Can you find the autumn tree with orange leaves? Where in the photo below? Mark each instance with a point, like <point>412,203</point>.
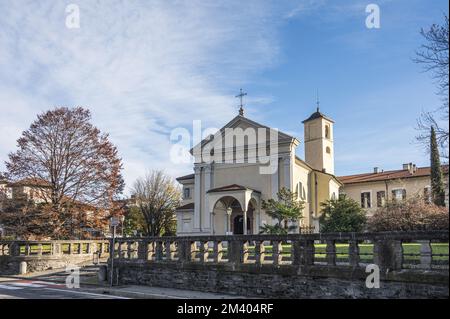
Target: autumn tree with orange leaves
<point>75,169</point>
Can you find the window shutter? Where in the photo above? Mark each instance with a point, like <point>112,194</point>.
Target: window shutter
<point>404,194</point>
<point>381,197</point>
<point>362,200</point>
<point>426,194</point>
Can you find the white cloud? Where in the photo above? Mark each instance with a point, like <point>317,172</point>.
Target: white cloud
<point>141,67</point>
<point>303,7</point>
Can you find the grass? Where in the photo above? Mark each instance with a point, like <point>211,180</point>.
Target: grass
<point>365,251</point>
<point>46,248</point>
<point>411,251</point>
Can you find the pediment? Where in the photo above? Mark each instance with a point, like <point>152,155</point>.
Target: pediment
<point>243,123</point>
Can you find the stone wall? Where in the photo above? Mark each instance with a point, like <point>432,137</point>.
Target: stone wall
<point>272,283</point>
<point>259,266</point>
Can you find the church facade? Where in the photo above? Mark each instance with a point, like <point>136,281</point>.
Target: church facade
<point>224,197</point>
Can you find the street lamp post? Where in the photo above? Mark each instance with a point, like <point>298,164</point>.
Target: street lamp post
<point>122,220</point>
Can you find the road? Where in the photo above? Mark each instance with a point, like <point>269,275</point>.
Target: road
<point>35,289</point>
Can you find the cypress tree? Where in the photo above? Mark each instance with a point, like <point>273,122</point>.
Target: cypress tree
<point>437,184</point>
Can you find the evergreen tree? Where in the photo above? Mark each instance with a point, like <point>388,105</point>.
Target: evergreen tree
<point>284,210</point>
<point>437,185</point>
<point>342,215</point>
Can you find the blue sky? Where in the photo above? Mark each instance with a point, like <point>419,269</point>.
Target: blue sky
<point>146,67</point>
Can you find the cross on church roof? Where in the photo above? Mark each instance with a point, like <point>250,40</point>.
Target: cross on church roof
<point>318,101</point>
<point>241,105</point>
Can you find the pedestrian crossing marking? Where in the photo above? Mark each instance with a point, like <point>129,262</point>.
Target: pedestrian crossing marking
<point>9,287</point>
<point>14,285</point>
<point>27,284</point>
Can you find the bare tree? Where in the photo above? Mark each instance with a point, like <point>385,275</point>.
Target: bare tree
<point>71,163</point>
<point>433,55</point>
<point>157,197</point>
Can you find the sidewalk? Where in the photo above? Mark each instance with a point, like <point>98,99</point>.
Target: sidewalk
<point>145,292</point>
<point>89,283</point>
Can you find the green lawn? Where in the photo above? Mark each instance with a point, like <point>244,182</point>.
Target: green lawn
<point>411,251</point>
<point>46,248</point>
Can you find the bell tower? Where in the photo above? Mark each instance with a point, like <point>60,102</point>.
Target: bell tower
<point>319,146</point>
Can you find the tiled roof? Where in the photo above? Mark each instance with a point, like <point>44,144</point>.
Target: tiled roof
<point>30,182</point>
<point>233,187</point>
<point>317,115</point>
<point>388,175</point>
<point>187,206</point>
<point>190,176</point>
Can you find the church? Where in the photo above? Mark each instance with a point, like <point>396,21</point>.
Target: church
<point>224,197</point>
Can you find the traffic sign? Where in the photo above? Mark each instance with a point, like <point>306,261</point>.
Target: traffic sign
<point>114,221</point>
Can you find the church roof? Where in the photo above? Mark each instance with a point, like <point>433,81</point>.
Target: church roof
<point>303,162</point>
<point>317,115</point>
<point>281,136</point>
<point>299,160</point>
<point>229,188</point>
<point>388,175</point>
<point>244,119</point>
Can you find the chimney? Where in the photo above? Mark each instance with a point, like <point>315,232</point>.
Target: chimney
<point>376,170</point>
<point>410,167</point>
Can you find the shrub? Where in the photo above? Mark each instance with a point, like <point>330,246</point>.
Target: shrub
<point>409,215</point>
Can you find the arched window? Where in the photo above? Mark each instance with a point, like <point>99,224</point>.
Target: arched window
<point>327,131</point>
<point>328,150</point>
<point>300,190</point>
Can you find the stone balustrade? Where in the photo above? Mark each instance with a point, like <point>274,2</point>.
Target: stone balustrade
<point>43,255</point>
<point>385,249</point>
<point>411,264</point>
<point>53,247</point>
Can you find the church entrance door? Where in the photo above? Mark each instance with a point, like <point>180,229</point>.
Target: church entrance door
<point>238,225</point>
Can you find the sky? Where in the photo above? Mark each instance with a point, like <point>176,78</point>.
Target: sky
<point>145,68</point>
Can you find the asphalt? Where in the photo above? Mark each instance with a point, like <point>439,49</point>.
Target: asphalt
<point>36,289</point>
<point>52,285</point>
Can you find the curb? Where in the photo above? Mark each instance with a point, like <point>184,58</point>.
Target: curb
<point>135,294</point>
